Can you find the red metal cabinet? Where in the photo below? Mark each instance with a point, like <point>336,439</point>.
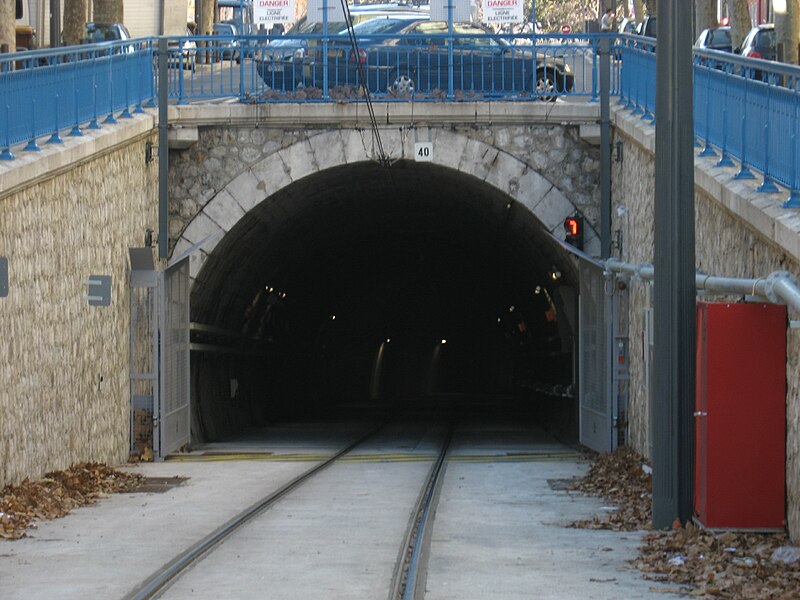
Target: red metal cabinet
<point>740,417</point>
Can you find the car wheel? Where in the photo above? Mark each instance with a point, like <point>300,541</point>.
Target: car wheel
<point>546,85</point>
<point>402,85</point>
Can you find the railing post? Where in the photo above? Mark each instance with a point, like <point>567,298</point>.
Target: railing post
<point>595,74</point>
<point>724,160</point>
<point>55,138</point>
<point>32,146</point>
<point>6,154</point>
<point>744,171</point>
<point>794,194</point>
<point>767,186</point>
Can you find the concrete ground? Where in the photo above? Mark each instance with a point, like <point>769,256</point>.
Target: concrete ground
<point>500,529</point>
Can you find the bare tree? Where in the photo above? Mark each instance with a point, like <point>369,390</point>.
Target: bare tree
<point>740,21</point>
<point>705,15</point>
<point>75,12</point>
<point>787,29</point>
<point>108,11</point>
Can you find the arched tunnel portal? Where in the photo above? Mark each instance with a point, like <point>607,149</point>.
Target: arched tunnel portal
<point>383,287</point>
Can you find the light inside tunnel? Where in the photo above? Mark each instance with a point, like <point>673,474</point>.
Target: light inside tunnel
<point>360,256</point>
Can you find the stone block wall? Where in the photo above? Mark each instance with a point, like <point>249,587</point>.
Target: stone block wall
<point>223,152</point>
<point>738,233</point>
<point>64,388</point>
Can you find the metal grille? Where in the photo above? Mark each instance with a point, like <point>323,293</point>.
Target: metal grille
<point>174,413</point>
<point>594,346</point>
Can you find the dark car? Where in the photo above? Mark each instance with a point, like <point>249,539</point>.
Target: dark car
<point>760,42</point>
<point>715,38</point>
<point>648,27</point>
<point>417,60</point>
<point>285,63</point>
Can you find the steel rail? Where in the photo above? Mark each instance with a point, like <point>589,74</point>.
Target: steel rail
<point>408,581</point>
<point>153,586</point>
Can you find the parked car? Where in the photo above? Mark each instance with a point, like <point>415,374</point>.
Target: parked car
<point>106,32</point>
<point>627,25</point>
<point>282,64</point>
<point>105,36</point>
<point>417,60</point>
<point>226,46</point>
<point>760,42</point>
<point>183,51</point>
<point>647,27</point>
<point>715,38</point>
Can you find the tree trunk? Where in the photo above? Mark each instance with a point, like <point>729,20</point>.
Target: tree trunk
<point>787,31</point>
<point>740,22</point>
<point>8,24</point>
<point>108,11</point>
<point>638,10</point>
<point>706,15</point>
<point>75,21</point>
<point>205,16</point>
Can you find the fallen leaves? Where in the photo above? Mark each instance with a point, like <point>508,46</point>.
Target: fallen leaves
<point>703,563</point>
<point>623,479</point>
<point>721,564</point>
<point>56,494</point>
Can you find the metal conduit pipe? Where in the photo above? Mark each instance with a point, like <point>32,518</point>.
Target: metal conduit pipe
<point>780,287</point>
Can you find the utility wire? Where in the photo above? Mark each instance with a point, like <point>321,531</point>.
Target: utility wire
<point>383,159</point>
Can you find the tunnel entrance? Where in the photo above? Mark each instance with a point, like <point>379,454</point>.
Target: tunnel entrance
<point>365,287</point>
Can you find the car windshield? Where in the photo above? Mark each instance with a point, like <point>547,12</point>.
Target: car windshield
<point>718,37</point>
<point>103,33</point>
<point>441,28</point>
<point>382,25</point>
<point>766,38</point>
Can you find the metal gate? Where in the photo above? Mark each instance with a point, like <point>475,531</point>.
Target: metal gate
<point>174,414</point>
<point>596,411</point>
<point>143,349</point>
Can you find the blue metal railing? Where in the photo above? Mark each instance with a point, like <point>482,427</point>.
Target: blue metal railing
<point>744,108</point>
<point>45,93</point>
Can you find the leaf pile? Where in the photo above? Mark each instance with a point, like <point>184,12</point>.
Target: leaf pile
<point>56,494</point>
<point>705,564</point>
<point>623,479</point>
<point>721,565</point>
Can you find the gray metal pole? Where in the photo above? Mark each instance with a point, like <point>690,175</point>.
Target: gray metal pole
<point>605,148</point>
<point>674,302</point>
<point>163,150</point>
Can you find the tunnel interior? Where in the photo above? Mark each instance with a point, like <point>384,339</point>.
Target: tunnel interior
<point>383,288</point>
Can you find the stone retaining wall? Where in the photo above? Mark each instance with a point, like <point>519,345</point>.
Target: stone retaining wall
<point>739,233</point>
<point>64,391</point>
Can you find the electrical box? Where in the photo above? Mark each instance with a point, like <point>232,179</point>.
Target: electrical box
<point>740,416</point>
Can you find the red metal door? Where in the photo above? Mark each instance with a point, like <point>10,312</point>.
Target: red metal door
<point>741,416</point>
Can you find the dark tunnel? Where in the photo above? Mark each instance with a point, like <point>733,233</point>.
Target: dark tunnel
<point>367,286</point>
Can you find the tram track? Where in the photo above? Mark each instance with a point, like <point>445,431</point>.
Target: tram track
<point>158,582</point>
<point>408,579</point>
<point>408,582</point>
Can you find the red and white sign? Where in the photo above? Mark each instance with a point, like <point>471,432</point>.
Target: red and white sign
<point>503,11</point>
<point>565,29</point>
<point>267,12</point>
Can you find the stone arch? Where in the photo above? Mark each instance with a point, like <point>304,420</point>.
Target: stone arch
<point>327,149</point>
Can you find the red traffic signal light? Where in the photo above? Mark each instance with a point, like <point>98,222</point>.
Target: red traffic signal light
<point>573,226</point>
